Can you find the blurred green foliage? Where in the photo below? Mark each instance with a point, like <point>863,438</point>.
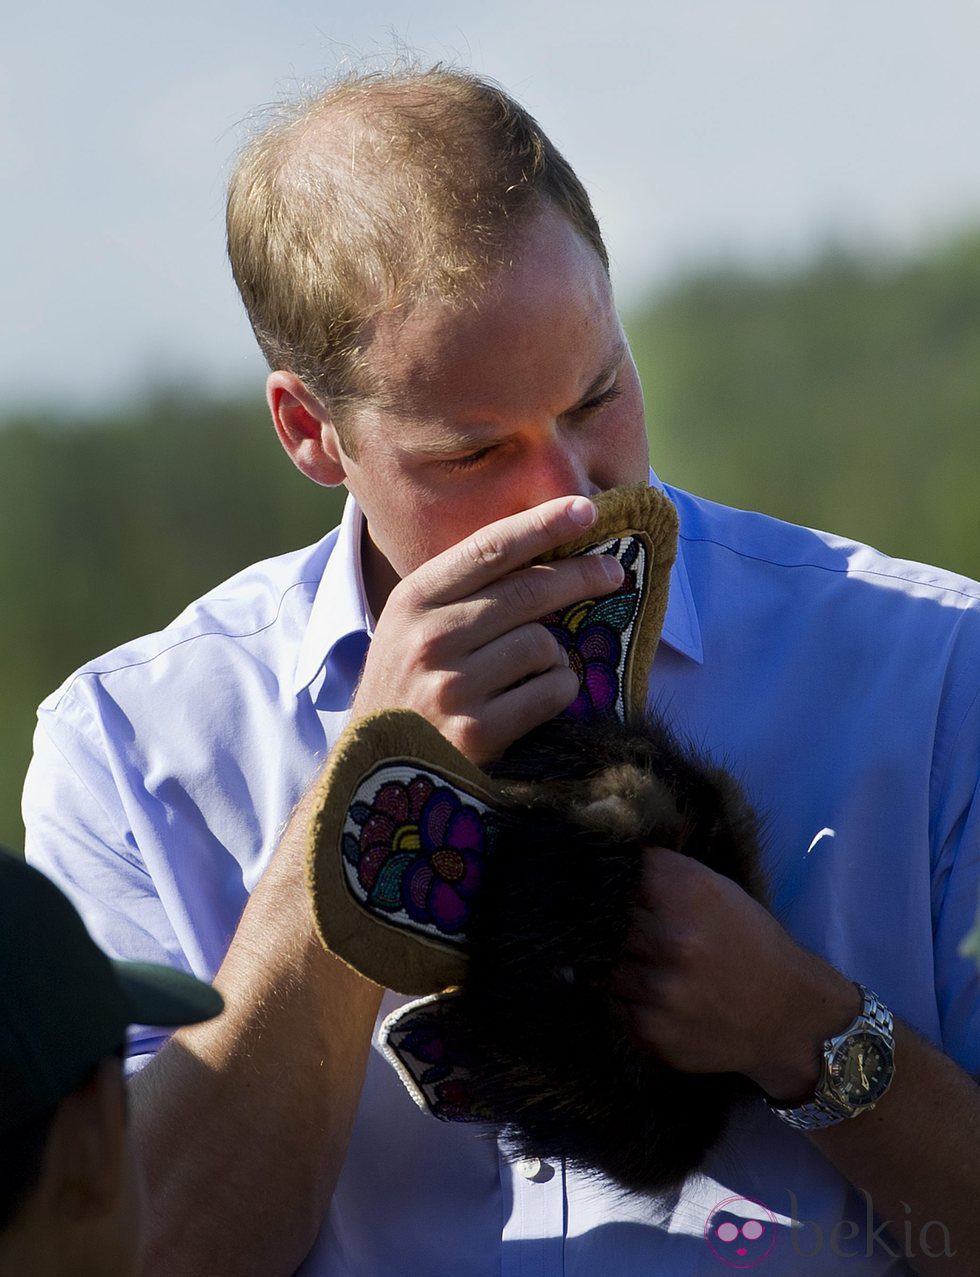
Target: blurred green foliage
<point>845,395</point>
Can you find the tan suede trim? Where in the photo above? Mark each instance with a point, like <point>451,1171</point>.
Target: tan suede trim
<point>648,513</point>
<point>389,955</point>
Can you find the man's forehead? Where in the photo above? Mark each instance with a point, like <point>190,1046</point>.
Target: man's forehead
<point>546,267</point>
<point>534,343</point>
<point>430,384</point>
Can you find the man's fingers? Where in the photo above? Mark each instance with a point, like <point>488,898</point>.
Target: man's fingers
<point>537,591</point>
<point>547,587</point>
<point>517,656</point>
<point>465,629</point>
<point>438,645</point>
<point>636,982</point>
<point>518,711</point>
<point>500,548</point>
<point>644,939</point>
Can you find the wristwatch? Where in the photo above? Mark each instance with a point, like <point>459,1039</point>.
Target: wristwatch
<point>858,1067</point>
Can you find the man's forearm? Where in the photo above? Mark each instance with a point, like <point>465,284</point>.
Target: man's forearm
<point>242,1123</point>
<point>712,983</point>
<point>917,1156</point>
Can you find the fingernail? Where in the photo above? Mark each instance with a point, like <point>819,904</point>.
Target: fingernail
<point>583,512</point>
<point>614,569</point>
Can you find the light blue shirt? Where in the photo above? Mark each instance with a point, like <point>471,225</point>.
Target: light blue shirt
<point>842,688</point>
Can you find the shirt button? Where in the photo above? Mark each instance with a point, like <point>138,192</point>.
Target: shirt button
<point>534,1169</point>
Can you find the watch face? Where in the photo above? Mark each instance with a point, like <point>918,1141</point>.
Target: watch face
<point>860,1070</point>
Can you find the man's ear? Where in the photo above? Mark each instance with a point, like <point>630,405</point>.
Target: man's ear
<point>305,429</point>
<point>85,1159</point>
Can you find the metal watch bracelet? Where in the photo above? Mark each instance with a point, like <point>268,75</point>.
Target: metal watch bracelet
<point>822,1111</point>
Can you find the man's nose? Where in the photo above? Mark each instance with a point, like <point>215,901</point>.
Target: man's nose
<point>555,470</point>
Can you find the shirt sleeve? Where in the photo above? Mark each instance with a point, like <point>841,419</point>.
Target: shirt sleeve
<point>957,978</point>
<point>955,896</point>
<point>77,834</point>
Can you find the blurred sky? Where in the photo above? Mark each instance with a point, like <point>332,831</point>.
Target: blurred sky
<point>703,129</point>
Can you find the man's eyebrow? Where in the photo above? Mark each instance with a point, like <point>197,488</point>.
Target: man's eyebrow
<point>605,374</point>
<point>454,440</point>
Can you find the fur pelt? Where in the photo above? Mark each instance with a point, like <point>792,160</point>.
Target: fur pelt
<point>558,1071</point>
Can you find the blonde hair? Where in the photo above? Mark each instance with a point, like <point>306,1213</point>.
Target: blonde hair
<point>383,191</point>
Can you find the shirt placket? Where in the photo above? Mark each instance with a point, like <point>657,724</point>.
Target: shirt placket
<point>533,1237</point>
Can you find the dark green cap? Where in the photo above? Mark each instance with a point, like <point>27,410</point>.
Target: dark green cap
<point>64,1004</point>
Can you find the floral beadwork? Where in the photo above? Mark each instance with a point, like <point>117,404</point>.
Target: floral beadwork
<point>597,633</point>
<point>419,1041</point>
<point>414,850</point>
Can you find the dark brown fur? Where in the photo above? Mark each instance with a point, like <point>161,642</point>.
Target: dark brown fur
<point>558,1070</point>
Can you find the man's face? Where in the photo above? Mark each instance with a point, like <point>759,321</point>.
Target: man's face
<point>490,409</point>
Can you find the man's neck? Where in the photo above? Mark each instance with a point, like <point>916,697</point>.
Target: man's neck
<point>380,578</point>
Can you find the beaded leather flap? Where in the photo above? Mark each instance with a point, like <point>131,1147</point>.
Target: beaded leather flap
<point>398,847</point>
<point>611,641</point>
<point>433,1060</point>
<point>404,823</point>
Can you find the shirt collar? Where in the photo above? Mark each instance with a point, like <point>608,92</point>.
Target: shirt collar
<point>340,607</point>
<point>681,628</point>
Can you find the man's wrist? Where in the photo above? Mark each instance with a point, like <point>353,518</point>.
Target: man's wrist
<point>819,1009</point>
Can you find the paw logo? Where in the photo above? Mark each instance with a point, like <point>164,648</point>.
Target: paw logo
<point>741,1232</point>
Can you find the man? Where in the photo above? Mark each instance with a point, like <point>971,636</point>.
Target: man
<point>427,280</point>
<point>70,1188</point>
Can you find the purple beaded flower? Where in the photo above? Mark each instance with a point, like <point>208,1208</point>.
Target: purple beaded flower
<point>592,633</point>
<point>419,854</point>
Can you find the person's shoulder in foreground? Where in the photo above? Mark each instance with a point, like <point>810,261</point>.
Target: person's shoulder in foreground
<point>70,1189</point>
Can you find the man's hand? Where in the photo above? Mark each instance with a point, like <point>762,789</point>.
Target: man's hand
<point>458,640</point>
<point>712,983</point>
